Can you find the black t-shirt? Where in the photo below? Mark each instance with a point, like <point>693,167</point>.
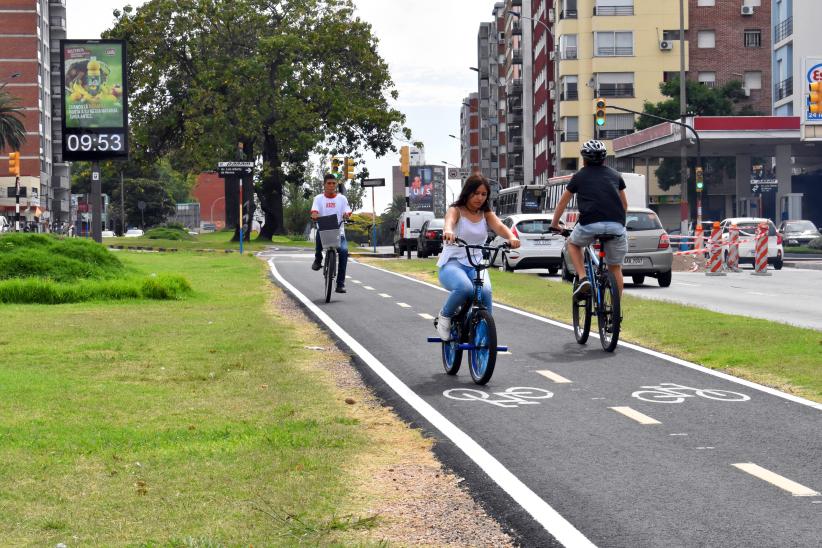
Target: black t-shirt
<point>597,189</point>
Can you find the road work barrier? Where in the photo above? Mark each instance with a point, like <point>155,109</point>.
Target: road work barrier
<point>698,235</point>
<point>715,250</point>
<point>761,251</point>
<point>733,249</point>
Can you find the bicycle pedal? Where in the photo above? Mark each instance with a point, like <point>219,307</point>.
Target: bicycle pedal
<point>434,339</point>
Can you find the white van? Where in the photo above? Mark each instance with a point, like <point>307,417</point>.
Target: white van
<point>408,230</point>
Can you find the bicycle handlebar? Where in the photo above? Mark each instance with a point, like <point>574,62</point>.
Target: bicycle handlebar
<point>486,252</point>
<point>561,231</point>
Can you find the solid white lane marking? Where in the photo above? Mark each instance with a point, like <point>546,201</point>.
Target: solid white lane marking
<point>636,415</point>
<point>660,355</point>
<point>368,287</point>
<point>506,353</point>
<point>680,434</point>
<point>347,277</point>
<point>685,283</point>
<point>356,281</point>
<point>761,294</point>
<point>425,316</point>
<point>773,478</point>
<point>542,512</point>
<point>385,295</point>
<point>404,305</point>
<point>553,376</point>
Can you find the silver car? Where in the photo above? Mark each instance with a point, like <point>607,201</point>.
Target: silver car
<point>649,249</point>
<point>798,232</point>
<point>539,247</point>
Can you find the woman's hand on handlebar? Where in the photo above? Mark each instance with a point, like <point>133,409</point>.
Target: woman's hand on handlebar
<point>513,243</point>
<point>449,237</point>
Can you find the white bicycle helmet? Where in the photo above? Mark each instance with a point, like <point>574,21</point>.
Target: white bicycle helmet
<point>594,151</point>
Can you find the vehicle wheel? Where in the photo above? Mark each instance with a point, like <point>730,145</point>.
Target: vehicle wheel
<point>664,278</point>
<point>609,314</point>
<point>638,280</point>
<point>451,353</point>
<point>506,265</point>
<point>483,357</point>
<point>420,254</point>
<point>566,273</point>
<point>777,263</point>
<point>330,271</point>
<point>581,314</point>
<point>397,250</point>
<point>553,270</point>
<point>408,251</point>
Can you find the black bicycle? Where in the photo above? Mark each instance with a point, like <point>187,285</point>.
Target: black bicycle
<point>603,299</point>
<point>473,328</point>
<point>329,229</point>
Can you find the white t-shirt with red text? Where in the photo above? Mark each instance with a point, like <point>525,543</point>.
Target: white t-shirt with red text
<point>338,205</point>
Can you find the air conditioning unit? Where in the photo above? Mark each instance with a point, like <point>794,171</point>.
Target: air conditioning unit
<point>747,10</point>
<point>552,55</point>
<point>553,94</point>
<point>552,84</point>
<point>666,45</point>
<point>550,15</point>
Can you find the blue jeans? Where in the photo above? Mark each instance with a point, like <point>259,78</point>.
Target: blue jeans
<point>342,252</point>
<point>459,280</point>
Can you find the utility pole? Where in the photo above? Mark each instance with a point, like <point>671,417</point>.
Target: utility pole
<point>96,205</point>
<point>122,205</point>
<point>684,210</point>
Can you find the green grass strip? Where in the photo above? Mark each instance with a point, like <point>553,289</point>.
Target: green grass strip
<point>769,353</point>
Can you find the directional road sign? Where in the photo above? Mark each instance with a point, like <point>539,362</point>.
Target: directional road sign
<point>235,168</point>
<point>373,182</point>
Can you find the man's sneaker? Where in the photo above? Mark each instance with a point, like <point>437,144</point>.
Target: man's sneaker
<point>340,289</point>
<point>316,265</point>
<point>444,327</point>
<point>583,290</point>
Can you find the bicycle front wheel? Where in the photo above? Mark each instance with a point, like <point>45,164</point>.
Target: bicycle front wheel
<point>581,314</point>
<point>483,356</point>
<point>608,312</point>
<point>451,353</point>
<point>330,271</point>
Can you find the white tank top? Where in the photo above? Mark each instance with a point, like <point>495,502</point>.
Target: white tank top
<point>473,233</point>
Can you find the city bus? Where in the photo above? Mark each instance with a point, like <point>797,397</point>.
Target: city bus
<point>635,191</point>
<point>519,199</point>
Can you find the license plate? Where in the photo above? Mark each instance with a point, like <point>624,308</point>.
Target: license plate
<point>543,242</point>
<point>633,260</point>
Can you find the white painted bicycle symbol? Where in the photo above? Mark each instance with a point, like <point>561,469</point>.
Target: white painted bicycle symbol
<point>510,397</point>
<point>668,392</point>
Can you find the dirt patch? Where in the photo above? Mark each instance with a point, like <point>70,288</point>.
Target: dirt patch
<point>689,263</point>
<point>399,480</point>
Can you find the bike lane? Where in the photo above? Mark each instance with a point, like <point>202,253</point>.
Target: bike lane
<point>618,481</point>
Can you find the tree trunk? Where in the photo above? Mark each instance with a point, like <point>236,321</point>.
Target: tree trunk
<point>271,192</point>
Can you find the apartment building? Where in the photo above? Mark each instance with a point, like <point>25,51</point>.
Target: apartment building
<point>470,133</point>
<point>616,49</point>
<point>30,34</point>
<point>519,103</point>
<point>489,86</point>
<point>732,41</point>
<point>545,93</point>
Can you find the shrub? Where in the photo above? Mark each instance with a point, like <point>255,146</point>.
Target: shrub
<point>43,256</point>
<point>35,291</point>
<point>168,233</point>
<point>815,244</point>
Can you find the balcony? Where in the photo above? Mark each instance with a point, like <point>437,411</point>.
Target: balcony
<point>514,87</point>
<point>570,52</point>
<point>571,94</point>
<point>516,56</point>
<point>615,90</point>
<point>58,22</point>
<point>570,136</point>
<point>783,89</point>
<point>614,10</point>
<point>516,28</point>
<point>783,30</point>
<point>614,51</point>
<point>514,117</point>
<point>58,3</point>
<point>515,3</point>
<point>515,145</point>
<point>568,14</point>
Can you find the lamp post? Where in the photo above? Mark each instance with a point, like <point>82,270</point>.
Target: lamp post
<point>557,120</point>
<point>212,207</point>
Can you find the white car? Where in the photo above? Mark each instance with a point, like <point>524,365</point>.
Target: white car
<point>539,247</point>
<point>108,234</point>
<point>747,247</point>
<point>133,233</point>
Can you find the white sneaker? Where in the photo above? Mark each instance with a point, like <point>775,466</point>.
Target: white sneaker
<point>444,327</point>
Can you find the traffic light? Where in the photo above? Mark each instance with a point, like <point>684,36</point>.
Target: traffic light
<point>14,164</point>
<point>335,167</point>
<point>599,112</point>
<point>405,161</point>
<point>349,168</point>
<point>815,98</point>
<point>699,179</point>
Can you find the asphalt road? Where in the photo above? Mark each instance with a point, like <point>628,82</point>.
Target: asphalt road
<point>570,445</point>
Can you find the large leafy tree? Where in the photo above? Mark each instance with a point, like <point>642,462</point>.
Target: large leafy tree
<point>283,77</point>
<point>12,130</point>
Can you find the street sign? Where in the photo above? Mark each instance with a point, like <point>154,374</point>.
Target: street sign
<point>235,168</point>
<point>141,205</point>
<point>764,185</point>
<point>373,182</point>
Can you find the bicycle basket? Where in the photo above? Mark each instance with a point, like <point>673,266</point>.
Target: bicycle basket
<point>329,228</point>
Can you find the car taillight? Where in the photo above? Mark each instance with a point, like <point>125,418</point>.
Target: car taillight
<point>402,230</point>
<point>516,234</point>
<point>778,238</point>
<point>664,242</point>
<point>597,246</point>
<point>430,234</point>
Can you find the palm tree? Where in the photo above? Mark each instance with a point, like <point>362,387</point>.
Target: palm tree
<point>12,131</point>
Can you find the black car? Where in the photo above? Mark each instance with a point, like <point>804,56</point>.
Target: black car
<point>429,241</point>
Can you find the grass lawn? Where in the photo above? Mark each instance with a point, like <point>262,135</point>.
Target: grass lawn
<point>769,353</point>
<point>802,249</point>
<point>198,422</point>
<point>209,240</point>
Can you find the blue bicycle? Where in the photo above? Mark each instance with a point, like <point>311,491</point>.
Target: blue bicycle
<point>602,299</point>
<point>473,328</point>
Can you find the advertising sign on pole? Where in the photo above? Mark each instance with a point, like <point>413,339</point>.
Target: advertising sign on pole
<point>94,99</point>
<point>813,75</point>
<point>373,182</point>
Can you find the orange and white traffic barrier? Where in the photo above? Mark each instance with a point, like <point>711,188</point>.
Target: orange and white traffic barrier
<point>698,235</point>
<point>761,253</point>
<point>733,249</point>
<point>715,249</point>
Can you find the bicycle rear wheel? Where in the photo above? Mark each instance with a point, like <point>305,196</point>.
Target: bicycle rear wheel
<point>483,356</point>
<point>581,314</point>
<point>330,271</point>
<point>451,353</point>
<point>608,313</point>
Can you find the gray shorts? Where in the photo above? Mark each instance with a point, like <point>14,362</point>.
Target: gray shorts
<point>615,249</point>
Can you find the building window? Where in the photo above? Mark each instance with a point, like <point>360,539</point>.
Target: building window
<point>753,79</point>
<point>707,79</point>
<point>614,44</point>
<point>614,7</point>
<point>702,3</point>
<point>615,84</point>
<point>753,38</point>
<point>568,46</point>
<point>706,39</point>
<point>670,35</point>
<point>616,125</point>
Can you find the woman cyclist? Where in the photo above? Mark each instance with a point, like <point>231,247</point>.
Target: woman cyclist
<point>469,219</point>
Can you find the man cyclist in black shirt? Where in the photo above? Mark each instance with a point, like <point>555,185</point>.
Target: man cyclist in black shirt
<point>602,204</point>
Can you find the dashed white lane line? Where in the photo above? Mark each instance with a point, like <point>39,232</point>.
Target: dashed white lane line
<point>404,305</point>
<point>425,316</point>
<point>348,277</point>
<point>368,287</point>
<point>773,478</point>
<point>685,283</point>
<point>356,281</point>
<point>641,418</point>
<point>385,295</point>
<point>757,293</point>
<point>553,376</point>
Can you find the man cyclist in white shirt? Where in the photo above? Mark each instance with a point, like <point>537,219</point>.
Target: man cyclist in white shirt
<point>330,202</point>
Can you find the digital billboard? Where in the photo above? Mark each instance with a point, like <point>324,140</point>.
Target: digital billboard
<point>95,99</point>
<point>427,189</point>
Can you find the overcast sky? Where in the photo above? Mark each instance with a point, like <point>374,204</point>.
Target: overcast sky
<point>428,44</point>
